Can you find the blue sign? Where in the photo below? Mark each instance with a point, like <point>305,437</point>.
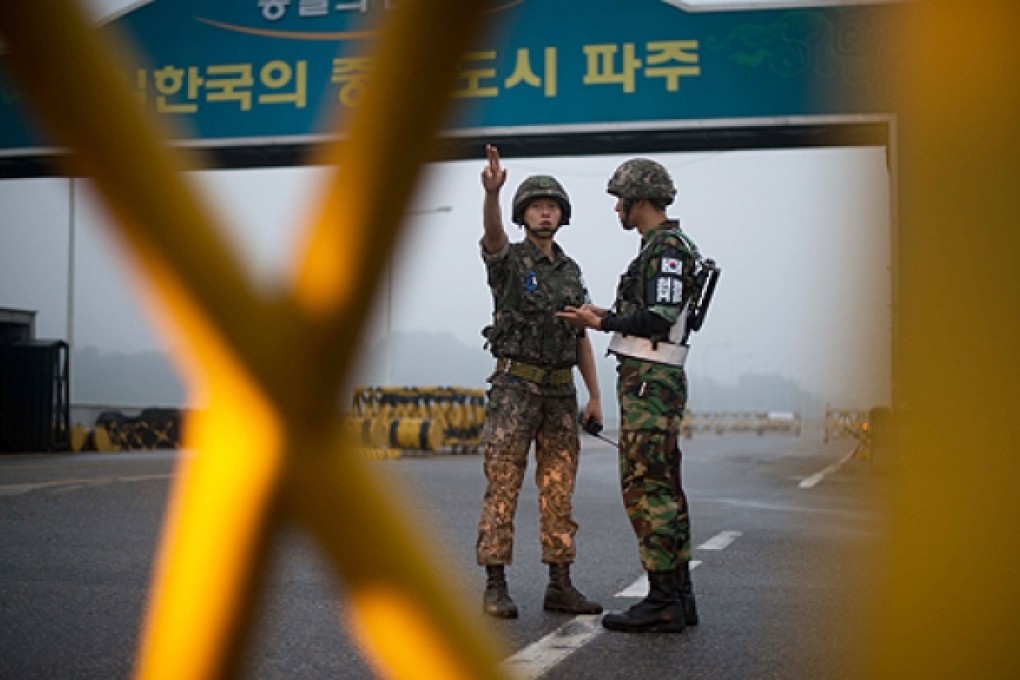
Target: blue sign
<point>262,72</point>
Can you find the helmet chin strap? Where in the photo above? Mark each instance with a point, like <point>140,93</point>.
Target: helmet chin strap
<point>543,233</point>
<point>628,203</point>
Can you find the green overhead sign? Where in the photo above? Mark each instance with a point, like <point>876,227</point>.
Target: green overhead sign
<point>264,72</point>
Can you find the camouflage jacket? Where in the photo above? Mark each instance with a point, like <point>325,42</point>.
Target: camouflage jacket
<point>661,277</point>
<point>527,290</point>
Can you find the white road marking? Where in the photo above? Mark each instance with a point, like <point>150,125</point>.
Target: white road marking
<point>68,484</point>
<point>810,482</point>
<point>720,541</point>
<point>540,656</point>
<point>639,588</point>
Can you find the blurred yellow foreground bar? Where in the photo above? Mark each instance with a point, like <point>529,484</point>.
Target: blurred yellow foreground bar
<point>270,443</point>
<point>951,603</point>
<point>950,598</point>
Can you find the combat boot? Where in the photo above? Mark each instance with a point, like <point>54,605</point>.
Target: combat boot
<point>562,596</point>
<point>685,591</point>
<point>496,600</point>
<point>660,612</point>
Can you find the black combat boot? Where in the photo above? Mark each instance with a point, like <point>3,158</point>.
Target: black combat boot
<point>496,601</point>
<point>562,596</point>
<point>685,590</point>
<point>660,612</point>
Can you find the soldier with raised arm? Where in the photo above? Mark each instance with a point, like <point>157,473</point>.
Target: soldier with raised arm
<point>532,397</point>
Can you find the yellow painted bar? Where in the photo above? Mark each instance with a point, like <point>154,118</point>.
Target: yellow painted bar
<point>268,430</point>
<point>950,607</point>
<point>219,522</point>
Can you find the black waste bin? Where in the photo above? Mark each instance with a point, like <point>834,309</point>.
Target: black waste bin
<point>34,396</point>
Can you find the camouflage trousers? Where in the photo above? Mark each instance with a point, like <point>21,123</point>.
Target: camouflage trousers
<point>652,399</point>
<point>518,413</point>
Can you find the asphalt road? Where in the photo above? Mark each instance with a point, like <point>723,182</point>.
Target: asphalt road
<point>781,576</point>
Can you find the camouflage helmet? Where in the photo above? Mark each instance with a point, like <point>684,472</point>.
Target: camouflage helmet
<point>540,186</point>
<point>642,178</point>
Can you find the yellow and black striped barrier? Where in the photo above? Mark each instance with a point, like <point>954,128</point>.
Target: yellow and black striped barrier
<point>430,419</point>
<point>152,428</point>
<point>874,429</point>
<point>759,422</point>
<point>844,422</point>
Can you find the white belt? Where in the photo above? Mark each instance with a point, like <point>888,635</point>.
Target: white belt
<point>641,348</point>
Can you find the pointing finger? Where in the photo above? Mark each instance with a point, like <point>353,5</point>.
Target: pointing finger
<point>493,153</point>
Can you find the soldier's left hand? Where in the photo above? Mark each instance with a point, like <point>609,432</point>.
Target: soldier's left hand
<point>594,411</point>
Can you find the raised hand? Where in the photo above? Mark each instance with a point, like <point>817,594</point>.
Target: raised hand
<point>494,175</point>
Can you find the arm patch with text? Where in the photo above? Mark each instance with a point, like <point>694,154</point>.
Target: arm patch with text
<point>666,286</point>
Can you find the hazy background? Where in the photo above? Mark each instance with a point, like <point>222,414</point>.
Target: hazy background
<point>801,317</point>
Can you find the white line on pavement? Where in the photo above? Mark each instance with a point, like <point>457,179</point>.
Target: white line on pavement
<point>63,484</point>
<point>720,541</point>
<point>639,588</point>
<point>540,656</point>
<point>810,482</point>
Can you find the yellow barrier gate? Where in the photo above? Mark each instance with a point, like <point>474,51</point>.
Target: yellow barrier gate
<point>270,447</point>
<point>854,423</point>
<point>421,418</point>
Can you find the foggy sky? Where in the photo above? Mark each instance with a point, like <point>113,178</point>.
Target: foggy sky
<point>802,237</point>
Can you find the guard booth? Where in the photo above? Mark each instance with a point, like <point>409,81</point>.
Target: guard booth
<point>34,387</point>
<point>16,325</point>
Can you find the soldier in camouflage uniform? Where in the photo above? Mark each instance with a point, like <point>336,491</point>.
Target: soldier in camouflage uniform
<point>648,321</point>
<point>532,395</point>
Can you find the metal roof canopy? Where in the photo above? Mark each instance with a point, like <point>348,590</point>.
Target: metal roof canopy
<point>580,143</point>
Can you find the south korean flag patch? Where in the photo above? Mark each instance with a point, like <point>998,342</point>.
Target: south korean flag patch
<point>669,283</point>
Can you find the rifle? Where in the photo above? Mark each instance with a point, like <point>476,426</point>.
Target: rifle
<point>705,279</point>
